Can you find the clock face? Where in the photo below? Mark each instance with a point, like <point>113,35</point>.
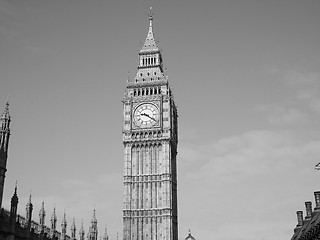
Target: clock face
<point>146,115</point>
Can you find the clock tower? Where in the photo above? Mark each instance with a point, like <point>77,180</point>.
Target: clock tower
<point>150,138</point>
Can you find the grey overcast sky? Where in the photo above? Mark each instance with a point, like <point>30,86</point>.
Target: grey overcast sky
<point>245,75</point>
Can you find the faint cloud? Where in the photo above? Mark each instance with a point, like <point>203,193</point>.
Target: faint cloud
<point>279,114</point>
<point>295,78</point>
<point>256,152</point>
<point>301,100</point>
<point>246,179</point>
<point>8,20</point>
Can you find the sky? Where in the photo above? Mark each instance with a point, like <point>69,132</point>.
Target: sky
<point>245,77</point>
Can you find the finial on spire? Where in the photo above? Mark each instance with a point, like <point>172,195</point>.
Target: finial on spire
<point>30,197</point>
<point>16,187</point>
<point>150,14</point>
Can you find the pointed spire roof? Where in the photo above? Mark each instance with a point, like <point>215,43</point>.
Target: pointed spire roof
<point>64,220</point>
<point>73,226</point>
<point>14,199</point>
<point>150,43</point>
<point>42,215</point>
<point>190,237</point>
<point>105,236</point>
<point>29,202</point>
<point>29,208</point>
<point>54,216</point>
<point>81,231</point>
<point>42,212</point>
<point>94,219</point>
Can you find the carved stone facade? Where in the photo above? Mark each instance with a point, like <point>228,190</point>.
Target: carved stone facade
<point>150,138</point>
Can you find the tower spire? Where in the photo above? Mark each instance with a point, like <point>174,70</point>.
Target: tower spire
<point>64,227</point>
<point>29,208</point>
<point>81,232</point>
<point>14,207</point>
<point>150,43</point>
<point>73,230</point>
<point>53,222</point>
<point>5,120</point>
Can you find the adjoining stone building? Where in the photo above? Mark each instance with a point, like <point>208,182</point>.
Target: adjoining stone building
<point>16,227</point>
<point>308,228</point>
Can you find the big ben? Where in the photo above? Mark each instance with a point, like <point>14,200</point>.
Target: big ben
<point>150,138</point>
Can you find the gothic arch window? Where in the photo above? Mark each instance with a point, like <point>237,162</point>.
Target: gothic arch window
<point>139,92</point>
<point>151,91</point>
<point>155,91</point>
<point>147,92</point>
<point>142,92</point>
<point>134,93</point>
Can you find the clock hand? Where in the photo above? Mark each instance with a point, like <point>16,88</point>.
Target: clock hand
<point>152,118</point>
<point>147,115</point>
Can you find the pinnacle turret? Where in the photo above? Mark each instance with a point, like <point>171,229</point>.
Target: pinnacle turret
<point>73,230</point>
<point>29,208</point>
<point>14,199</point>
<point>81,232</point>
<point>42,215</point>
<point>105,236</point>
<point>54,220</point>
<point>64,227</point>
<point>93,229</point>
<point>14,207</point>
